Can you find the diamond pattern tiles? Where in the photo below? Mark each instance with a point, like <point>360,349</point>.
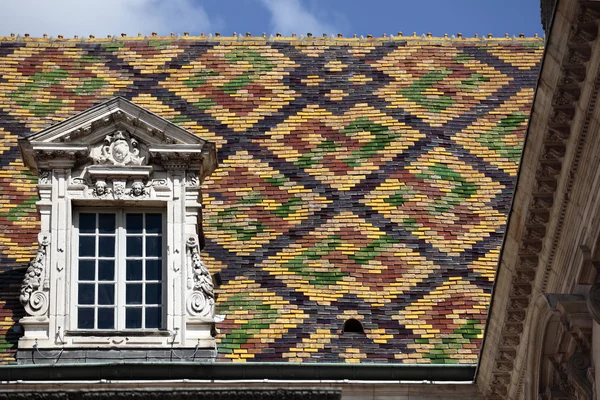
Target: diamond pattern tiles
<point>54,82</point>
<point>237,85</point>
<point>358,179</point>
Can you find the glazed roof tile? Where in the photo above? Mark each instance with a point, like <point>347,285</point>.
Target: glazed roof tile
<point>358,178</point>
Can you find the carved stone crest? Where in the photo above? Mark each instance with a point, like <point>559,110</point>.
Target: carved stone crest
<point>118,149</point>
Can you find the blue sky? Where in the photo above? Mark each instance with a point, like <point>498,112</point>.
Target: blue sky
<point>103,17</point>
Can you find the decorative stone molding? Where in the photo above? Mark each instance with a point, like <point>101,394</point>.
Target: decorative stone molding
<point>34,290</point>
<point>117,154</point>
<point>549,172</point>
<point>201,301</point>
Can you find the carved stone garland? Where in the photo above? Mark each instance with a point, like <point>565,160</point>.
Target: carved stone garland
<point>34,291</point>
<point>201,301</point>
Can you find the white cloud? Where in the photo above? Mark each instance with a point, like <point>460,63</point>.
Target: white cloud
<point>103,17</point>
<point>290,16</point>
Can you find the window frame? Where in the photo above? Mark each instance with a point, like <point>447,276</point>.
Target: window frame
<point>119,271</point>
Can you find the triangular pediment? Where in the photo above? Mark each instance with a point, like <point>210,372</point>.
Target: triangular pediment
<point>117,132</point>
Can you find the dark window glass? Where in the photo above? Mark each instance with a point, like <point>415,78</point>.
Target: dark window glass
<point>134,246</point>
<point>87,246</point>
<point>106,318</point>
<point>133,293</point>
<point>106,223</point>
<point>153,223</point>
<point>87,293</point>
<point>106,293</point>
<point>87,270</point>
<point>85,318</point>
<point>153,246</point>
<point>87,223</point>
<point>153,270</point>
<point>134,270</point>
<point>106,246</point>
<point>134,223</point>
<point>153,317</point>
<point>133,318</point>
<point>153,294</point>
<point>106,270</point>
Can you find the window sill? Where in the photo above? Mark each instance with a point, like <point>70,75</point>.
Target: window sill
<point>109,333</point>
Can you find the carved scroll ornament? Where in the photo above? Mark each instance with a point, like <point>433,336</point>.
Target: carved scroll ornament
<point>202,299</point>
<point>34,295</point>
<point>593,301</point>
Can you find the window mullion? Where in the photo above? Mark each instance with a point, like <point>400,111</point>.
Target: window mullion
<point>120,264</point>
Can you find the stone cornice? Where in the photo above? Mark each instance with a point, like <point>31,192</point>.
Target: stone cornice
<point>550,152</point>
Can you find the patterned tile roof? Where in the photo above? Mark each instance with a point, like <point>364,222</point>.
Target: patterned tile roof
<point>365,179</point>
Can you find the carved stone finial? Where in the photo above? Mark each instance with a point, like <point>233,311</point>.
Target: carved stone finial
<point>202,299</point>
<point>118,149</point>
<point>33,296</point>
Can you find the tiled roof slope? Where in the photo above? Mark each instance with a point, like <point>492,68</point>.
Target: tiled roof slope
<point>358,179</point>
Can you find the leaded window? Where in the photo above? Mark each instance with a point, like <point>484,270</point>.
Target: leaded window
<point>119,269</point>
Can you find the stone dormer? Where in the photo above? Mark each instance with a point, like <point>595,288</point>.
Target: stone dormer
<point>118,266</point>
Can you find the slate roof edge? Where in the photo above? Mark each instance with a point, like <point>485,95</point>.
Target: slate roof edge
<point>235,371</point>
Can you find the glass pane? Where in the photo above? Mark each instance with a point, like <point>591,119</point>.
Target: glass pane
<point>106,318</point>
<point>87,293</point>
<point>153,295</point>
<point>134,246</point>
<point>133,293</point>
<point>153,317</point>
<point>134,223</point>
<point>134,270</point>
<point>87,223</point>
<point>87,270</point>
<point>106,293</point>
<point>133,318</point>
<point>153,246</point>
<point>106,246</point>
<point>87,246</point>
<point>85,318</point>
<point>106,223</point>
<point>153,223</point>
<point>153,270</point>
<point>106,270</point>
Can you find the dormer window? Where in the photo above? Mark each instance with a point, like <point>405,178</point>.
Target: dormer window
<point>119,259</point>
